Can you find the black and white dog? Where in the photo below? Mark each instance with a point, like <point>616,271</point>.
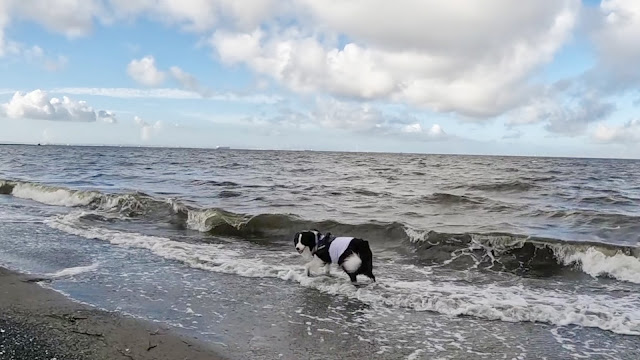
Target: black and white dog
<point>351,254</point>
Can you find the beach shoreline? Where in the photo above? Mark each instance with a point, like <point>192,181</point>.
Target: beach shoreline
<point>40,323</point>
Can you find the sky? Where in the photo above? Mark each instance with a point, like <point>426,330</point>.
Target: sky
<point>529,77</point>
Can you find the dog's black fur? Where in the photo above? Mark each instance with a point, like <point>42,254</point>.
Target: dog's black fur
<point>315,242</point>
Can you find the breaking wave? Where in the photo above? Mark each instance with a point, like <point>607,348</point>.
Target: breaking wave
<point>515,253</point>
<point>519,253</point>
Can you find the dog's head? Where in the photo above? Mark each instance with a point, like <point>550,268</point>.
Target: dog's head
<point>305,241</point>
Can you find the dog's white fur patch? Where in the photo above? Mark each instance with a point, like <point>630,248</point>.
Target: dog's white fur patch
<point>352,263</point>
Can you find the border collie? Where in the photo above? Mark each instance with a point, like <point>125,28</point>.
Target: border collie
<point>351,254</point>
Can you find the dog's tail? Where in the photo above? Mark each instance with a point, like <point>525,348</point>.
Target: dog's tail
<point>352,263</point>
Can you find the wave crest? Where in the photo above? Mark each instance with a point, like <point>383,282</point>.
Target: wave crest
<point>526,254</point>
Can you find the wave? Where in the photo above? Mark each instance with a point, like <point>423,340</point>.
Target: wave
<point>515,253</point>
<point>229,194</point>
<point>503,186</point>
<point>494,302</point>
<point>215,183</point>
<point>526,254</point>
<point>450,199</point>
<point>128,204</point>
<point>616,199</point>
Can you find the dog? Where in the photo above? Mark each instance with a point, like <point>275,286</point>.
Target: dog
<point>353,255</point>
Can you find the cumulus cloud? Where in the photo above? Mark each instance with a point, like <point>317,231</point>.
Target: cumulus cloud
<point>473,62</point>
<point>199,15</point>
<point>626,133</point>
<point>144,71</point>
<point>39,105</point>
<point>477,63</point>
<point>616,38</point>
<point>70,17</point>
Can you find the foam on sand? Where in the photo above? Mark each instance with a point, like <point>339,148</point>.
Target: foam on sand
<point>73,271</point>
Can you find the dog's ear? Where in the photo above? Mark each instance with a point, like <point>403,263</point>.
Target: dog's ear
<point>296,236</point>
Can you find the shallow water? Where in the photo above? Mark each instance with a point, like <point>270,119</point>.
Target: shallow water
<point>497,257</point>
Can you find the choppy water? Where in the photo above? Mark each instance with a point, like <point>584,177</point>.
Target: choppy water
<point>498,257</point>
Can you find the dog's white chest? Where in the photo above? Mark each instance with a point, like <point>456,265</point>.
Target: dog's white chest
<point>338,247</point>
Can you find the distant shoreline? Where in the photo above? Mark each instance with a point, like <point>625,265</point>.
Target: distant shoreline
<point>39,323</point>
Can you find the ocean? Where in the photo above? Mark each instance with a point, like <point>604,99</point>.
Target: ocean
<point>478,257</point>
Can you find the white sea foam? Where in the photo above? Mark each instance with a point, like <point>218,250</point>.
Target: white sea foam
<point>415,355</point>
<point>494,302</point>
<point>595,263</point>
<point>53,196</point>
<point>74,271</point>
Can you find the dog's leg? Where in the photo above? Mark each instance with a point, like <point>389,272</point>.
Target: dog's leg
<point>353,278</point>
<point>327,269</point>
<point>314,263</point>
<point>371,276</point>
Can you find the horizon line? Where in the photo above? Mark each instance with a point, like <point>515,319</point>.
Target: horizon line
<point>231,148</point>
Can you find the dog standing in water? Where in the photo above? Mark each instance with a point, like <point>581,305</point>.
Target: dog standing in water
<point>351,254</point>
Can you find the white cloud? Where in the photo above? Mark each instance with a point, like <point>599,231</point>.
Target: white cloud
<point>33,55</point>
<point>473,59</point>
<point>189,82</point>
<point>36,55</point>
<point>616,39</point>
<point>106,116</point>
<point>567,107</point>
<point>147,130</point>
<point>40,106</point>
<point>199,15</point>
<point>70,17</point>
<point>435,132</point>
<point>469,58</point>
<point>164,93</point>
<point>627,133</point>
<point>471,62</point>
<point>362,118</point>
<point>144,71</point>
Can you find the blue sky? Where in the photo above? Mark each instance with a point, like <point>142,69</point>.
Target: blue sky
<point>548,78</point>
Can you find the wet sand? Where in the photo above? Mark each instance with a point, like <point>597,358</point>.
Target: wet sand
<point>39,323</point>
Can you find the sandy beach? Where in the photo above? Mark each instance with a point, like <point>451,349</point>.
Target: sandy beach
<point>39,323</point>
